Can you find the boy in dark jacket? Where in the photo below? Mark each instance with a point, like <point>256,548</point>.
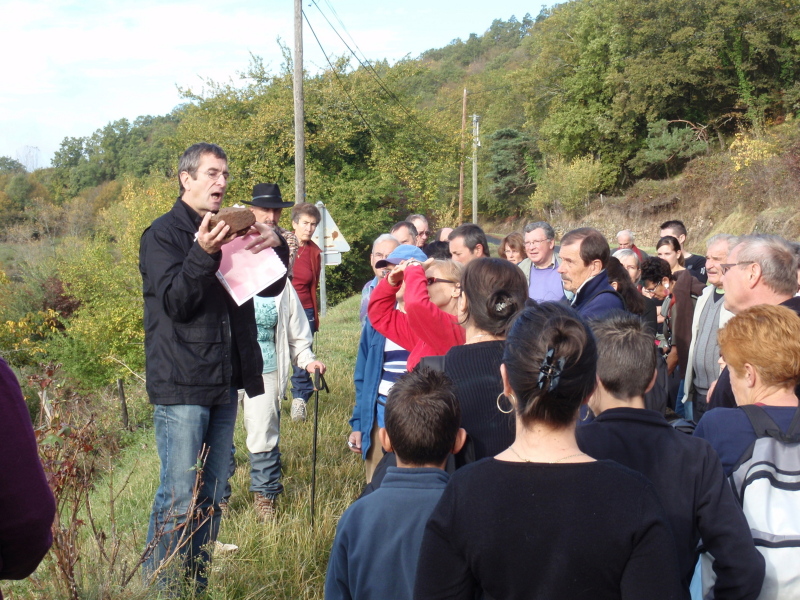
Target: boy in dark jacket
<point>374,554</point>
<point>687,475</point>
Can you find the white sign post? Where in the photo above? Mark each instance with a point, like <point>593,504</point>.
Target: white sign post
<point>332,243</point>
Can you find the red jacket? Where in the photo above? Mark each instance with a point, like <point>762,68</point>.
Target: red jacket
<point>314,256</point>
<point>424,329</point>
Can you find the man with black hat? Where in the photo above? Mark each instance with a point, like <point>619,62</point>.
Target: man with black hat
<point>285,338</point>
<point>267,205</point>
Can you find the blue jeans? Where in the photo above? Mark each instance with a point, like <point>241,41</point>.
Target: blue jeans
<point>302,386</point>
<point>181,431</point>
<point>265,473</point>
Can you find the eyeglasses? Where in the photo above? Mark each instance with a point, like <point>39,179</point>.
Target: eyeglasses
<point>534,242</point>
<point>651,290</point>
<point>379,255</point>
<point>725,267</point>
<point>432,280</point>
<point>214,175</point>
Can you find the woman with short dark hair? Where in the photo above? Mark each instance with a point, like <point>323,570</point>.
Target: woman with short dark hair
<point>512,248</point>
<point>542,519</point>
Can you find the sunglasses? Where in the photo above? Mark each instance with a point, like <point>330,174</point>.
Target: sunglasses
<point>432,280</point>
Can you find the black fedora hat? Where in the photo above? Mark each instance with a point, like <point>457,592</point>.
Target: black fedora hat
<point>267,195</point>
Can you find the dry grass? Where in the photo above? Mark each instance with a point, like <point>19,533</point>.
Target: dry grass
<point>286,559</point>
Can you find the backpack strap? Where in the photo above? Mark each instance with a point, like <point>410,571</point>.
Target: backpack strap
<point>794,426</point>
<point>762,423</point>
<point>765,426</point>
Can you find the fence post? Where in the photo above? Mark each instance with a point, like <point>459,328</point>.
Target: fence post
<point>123,403</point>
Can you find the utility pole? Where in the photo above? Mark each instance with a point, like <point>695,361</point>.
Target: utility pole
<point>461,168</point>
<point>299,109</point>
<point>476,142</point>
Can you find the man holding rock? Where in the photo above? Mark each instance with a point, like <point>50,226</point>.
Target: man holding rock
<point>199,349</point>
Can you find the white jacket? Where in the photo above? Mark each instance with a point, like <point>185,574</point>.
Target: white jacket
<point>293,336</point>
<point>724,316</point>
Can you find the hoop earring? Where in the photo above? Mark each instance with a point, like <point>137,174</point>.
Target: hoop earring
<point>510,405</point>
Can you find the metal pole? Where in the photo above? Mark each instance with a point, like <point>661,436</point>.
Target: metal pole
<point>314,445</point>
<point>475,143</point>
<point>323,296</point>
<point>299,109</point>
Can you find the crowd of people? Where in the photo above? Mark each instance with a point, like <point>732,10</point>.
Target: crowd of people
<point>561,421</point>
<point>555,412</point>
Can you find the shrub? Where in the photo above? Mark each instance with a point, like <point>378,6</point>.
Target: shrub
<point>565,187</point>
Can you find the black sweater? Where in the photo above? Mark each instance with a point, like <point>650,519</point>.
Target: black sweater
<point>527,530</point>
<point>475,370</point>
<point>689,480</point>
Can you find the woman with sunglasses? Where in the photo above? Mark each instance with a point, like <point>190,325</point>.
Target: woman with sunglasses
<point>493,291</point>
<point>429,326</point>
<point>542,519</point>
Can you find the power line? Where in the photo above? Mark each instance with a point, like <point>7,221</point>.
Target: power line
<point>339,80</point>
<point>369,68</point>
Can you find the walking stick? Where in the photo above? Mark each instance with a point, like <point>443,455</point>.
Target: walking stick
<point>317,378</point>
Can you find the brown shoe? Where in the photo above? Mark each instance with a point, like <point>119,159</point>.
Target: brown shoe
<point>265,507</point>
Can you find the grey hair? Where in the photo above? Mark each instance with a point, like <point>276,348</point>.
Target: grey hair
<point>412,229</point>
<point>384,237</point>
<point>731,240</point>
<point>627,253</point>
<point>776,258</point>
<point>190,160</point>
<point>627,232</point>
<point>413,218</point>
<point>549,232</point>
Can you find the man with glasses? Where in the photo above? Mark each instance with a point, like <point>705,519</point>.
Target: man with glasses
<point>199,349</point>
<point>421,223</point>
<point>305,279</point>
<point>761,269</point>
<point>709,316</point>
<point>541,265</point>
<point>382,247</point>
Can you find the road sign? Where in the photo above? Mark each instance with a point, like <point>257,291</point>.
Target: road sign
<point>334,240</point>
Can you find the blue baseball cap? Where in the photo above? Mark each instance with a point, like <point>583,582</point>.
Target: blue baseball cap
<point>401,253</point>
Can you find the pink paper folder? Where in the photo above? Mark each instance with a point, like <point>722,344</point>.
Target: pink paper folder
<point>244,274</point>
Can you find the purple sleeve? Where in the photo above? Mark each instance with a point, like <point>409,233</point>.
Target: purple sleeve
<point>27,506</point>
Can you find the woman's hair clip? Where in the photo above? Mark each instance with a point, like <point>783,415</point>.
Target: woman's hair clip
<point>550,371</point>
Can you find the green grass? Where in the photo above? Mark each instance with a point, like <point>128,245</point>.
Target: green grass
<point>286,559</point>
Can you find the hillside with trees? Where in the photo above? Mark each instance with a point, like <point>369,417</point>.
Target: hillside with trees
<point>594,111</point>
<point>608,113</point>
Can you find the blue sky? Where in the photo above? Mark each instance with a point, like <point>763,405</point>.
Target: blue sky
<point>73,66</point>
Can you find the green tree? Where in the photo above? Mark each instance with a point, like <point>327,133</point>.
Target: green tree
<point>667,148</point>
<point>512,154</point>
<point>9,165</point>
